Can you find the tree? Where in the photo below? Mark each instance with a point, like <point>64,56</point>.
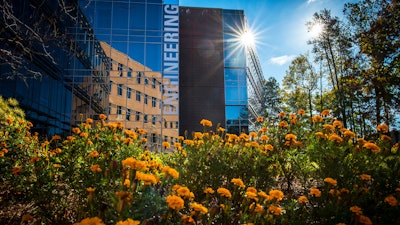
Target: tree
<point>28,30</point>
<point>272,98</point>
<point>377,32</point>
<point>301,80</point>
<point>332,49</point>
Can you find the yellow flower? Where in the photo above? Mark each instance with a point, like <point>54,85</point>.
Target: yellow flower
<point>221,129</point>
<point>391,200</point>
<point>365,220</point>
<point>148,179</point>
<point>198,135</point>
<point>275,210</point>
<point>303,199</point>
<point>315,192</point>
<point>365,177</point>
<point>357,210</point>
<point>209,191</point>
<point>90,221</point>
<point>188,142</point>
<point>175,202</point>
<point>331,181</point>
<point>373,147</point>
<point>238,182</point>
<point>128,222</point>
<point>206,123</point>
<point>199,208</point>
<point>224,192</point>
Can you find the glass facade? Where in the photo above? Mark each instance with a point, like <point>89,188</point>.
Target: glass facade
<point>73,83</point>
<point>133,37</point>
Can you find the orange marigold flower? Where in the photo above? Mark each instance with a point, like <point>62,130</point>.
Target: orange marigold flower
<point>264,138</point>
<point>282,114</point>
<point>382,128</point>
<point>238,182</point>
<point>251,195</point>
<point>391,200</point>
<point>315,192</point>
<point>373,147</point>
<point>385,138</point>
<point>9,121</point>
<point>206,123</point>
<point>147,179</point>
<point>263,195</point>
<point>102,117</point>
<point>128,222</point>
<point>283,124</point>
<point>320,134</point>
<point>91,221</point>
<point>365,177</point>
<point>16,170</point>
<point>253,134</point>
<point>198,135</point>
<point>302,199</point>
<point>76,130</point>
<point>89,120</point>
<point>365,220</point>
<point>171,172</point>
<point>175,202</point>
<point>290,137</point>
<point>336,138</point>
<point>183,192</point>
<point>188,142</point>
<point>221,129</point>
<point>94,153</point>
<point>208,191</point>
<point>337,124</point>
<point>57,166</point>
<point>269,147</point>
<point>325,113</point>
<point>224,192</point>
<point>84,135</point>
<point>198,208</point>
<point>166,144</point>
<point>301,112</point>
<point>317,119</point>
<point>349,134</point>
<point>263,130</point>
<point>95,168</point>
<point>260,119</point>
<point>329,127</point>
<point>357,210</point>
<point>276,194</point>
<point>275,210</point>
<point>331,181</point>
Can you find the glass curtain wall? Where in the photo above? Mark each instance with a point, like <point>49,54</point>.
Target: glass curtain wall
<point>236,96</point>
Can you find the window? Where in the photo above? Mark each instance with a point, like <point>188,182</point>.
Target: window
<point>128,92</point>
<point>146,81</point>
<point>153,102</point>
<point>110,86</point>
<point>138,96</point>
<point>119,89</point>
<point>120,69</point>
<point>145,118</point>
<point>109,108</point>
<point>129,74</point>
<point>137,116</point>
<point>153,120</point>
<point>128,114</point>
<point>119,110</point>
<point>165,124</point>
<point>153,82</point>
<point>153,137</point>
<point>176,125</point>
<point>145,99</point>
<point>139,77</point>
<point>171,125</point>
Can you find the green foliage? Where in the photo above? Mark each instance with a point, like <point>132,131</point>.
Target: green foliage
<point>303,170</point>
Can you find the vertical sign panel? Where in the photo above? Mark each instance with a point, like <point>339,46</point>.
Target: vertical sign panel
<point>171,58</point>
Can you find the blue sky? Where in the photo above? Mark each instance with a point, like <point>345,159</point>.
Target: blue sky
<point>279,27</point>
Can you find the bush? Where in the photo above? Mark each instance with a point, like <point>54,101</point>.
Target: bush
<point>300,171</point>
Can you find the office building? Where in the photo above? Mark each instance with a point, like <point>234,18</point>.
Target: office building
<point>220,77</point>
<point>61,51</point>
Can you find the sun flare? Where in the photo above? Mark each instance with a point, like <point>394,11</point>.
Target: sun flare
<point>316,30</point>
<point>247,38</point>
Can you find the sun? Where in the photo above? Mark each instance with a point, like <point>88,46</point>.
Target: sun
<point>316,30</point>
<point>247,38</point>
